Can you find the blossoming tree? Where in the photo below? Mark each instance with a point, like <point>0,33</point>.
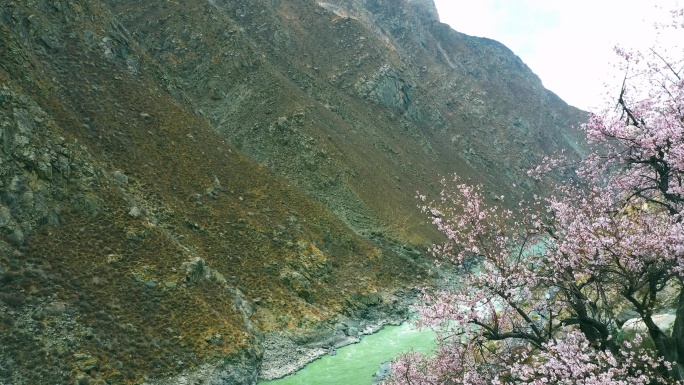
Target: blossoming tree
<point>544,297</point>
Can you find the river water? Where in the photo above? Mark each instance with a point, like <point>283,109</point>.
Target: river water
<point>355,364</point>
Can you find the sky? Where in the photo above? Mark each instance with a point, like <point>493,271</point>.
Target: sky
<point>567,43</point>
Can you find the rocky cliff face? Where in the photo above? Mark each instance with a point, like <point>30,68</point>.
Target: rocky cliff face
<point>367,100</point>
<point>183,184</point>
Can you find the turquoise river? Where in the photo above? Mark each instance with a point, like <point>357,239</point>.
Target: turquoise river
<point>355,364</point>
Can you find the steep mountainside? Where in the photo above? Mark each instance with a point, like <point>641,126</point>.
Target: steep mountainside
<point>184,184</point>
<point>360,103</point>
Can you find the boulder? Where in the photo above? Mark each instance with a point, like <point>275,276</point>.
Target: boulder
<point>383,372</point>
<point>634,326</point>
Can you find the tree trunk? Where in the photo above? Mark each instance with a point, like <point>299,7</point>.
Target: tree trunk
<point>671,348</point>
<point>678,338</point>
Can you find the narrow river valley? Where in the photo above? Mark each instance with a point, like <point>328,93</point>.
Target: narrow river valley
<point>357,363</point>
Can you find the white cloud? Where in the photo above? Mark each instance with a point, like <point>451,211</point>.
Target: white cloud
<point>569,44</point>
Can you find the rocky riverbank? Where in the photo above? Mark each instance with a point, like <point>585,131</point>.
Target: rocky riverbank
<point>282,353</point>
<point>241,368</point>
<point>285,352</point>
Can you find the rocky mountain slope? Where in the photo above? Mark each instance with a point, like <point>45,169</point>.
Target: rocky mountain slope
<point>185,183</point>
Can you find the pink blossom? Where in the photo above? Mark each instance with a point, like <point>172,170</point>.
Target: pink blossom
<point>540,289</point>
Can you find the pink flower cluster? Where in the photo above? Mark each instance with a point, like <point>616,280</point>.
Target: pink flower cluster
<point>542,289</point>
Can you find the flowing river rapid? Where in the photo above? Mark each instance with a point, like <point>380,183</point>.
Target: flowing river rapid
<point>355,364</point>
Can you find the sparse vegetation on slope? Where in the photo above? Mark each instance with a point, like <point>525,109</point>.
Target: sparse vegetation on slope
<point>140,237</point>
